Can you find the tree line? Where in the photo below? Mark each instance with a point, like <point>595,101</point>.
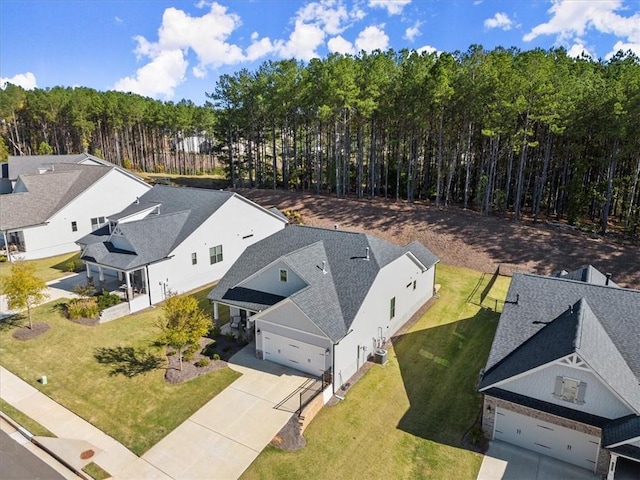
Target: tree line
<point>503,131</point>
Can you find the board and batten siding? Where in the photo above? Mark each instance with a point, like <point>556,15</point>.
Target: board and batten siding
<point>598,400</point>
<point>373,319</point>
<point>235,219</point>
<point>268,280</point>
<point>110,194</point>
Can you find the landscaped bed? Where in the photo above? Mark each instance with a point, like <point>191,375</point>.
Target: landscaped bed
<point>409,419</point>
<point>112,375</point>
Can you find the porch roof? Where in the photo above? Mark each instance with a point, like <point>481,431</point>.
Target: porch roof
<point>250,299</point>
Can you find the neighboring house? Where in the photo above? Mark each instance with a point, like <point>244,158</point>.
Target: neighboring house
<point>193,144</point>
<point>55,200</point>
<point>322,301</point>
<point>563,373</point>
<point>173,239</point>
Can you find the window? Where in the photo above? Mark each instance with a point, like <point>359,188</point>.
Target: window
<point>194,258</point>
<point>97,222</point>
<point>570,390</point>
<point>283,275</point>
<point>74,226</point>
<point>392,308</point>
<point>215,254</point>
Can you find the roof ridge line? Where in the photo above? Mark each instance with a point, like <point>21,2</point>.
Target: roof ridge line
<point>618,288</point>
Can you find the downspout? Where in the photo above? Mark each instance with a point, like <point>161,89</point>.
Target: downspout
<point>6,246</point>
<point>148,284</point>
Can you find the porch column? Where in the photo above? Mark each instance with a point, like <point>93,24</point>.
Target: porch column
<point>88,268</point>
<point>145,281</point>
<point>612,467</point>
<point>6,246</point>
<point>129,290</point>
<point>216,315</point>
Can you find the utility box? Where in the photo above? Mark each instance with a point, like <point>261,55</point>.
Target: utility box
<point>43,380</point>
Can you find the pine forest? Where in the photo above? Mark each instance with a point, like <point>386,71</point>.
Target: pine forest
<point>529,134</point>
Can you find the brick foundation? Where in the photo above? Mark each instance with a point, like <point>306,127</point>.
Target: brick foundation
<point>488,418</point>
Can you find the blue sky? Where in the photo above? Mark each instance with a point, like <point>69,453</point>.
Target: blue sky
<point>177,49</point>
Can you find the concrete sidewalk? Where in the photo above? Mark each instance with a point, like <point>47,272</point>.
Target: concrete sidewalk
<point>223,438</point>
<point>112,456</point>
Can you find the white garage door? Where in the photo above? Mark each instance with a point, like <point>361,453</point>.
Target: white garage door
<point>546,438</point>
<point>293,353</point>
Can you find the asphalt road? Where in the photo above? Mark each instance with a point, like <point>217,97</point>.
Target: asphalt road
<point>18,463</point>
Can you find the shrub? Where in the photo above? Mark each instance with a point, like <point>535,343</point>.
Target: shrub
<point>70,266</point>
<point>216,356</point>
<point>106,300</point>
<point>203,362</point>
<point>214,332</point>
<point>3,258</point>
<point>82,308</point>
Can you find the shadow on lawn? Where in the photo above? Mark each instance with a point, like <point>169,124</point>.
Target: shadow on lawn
<point>439,368</point>
<point>12,321</point>
<point>127,361</point>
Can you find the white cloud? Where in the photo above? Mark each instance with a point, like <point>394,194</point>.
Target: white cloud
<point>634,47</point>
<point>118,19</point>
<point>427,49</point>
<point>578,49</point>
<point>179,33</point>
<point>313,23</point>
<point>393,7</point>
<point>340,45</point>
<point>572,18</point>
<point>159,77</point>
<point>413,32</point>
<point>25,80</point>
<point>499,20</point>
<point>372,38</point>
<point>302,43</point>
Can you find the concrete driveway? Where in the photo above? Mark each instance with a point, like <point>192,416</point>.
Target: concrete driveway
<point>222,438</point>
<point>504,461</point>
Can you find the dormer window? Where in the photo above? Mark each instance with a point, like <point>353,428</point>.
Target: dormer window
<point>283,275</point>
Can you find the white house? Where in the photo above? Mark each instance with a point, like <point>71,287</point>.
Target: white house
<point>322,301</point>
<point>174,239</point>
<point>562,377</point>
<point>55,200</point>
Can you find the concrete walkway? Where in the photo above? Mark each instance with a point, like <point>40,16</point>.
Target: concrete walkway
<point>113,456</point>
<point>56,289</point>
<point>224,437</point>
<point>504,461</point>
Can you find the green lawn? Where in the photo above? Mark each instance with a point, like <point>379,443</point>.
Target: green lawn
<point>48,268</point>
<point>24,421</point>
<point>405,420</point>
<point>138,410</point>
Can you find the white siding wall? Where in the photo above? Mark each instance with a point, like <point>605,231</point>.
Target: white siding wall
<point>225,227</point>
<point>109,195</point>
<point>374,314</point>
<point>598,398</point>
<point>269,281</point>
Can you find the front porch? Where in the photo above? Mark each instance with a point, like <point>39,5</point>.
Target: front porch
<point>132,286</point>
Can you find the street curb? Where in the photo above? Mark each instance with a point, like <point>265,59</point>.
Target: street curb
<point>29,436</point>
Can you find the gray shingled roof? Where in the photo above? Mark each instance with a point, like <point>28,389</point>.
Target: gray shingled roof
<point>332,299</point>
<point>46,194</point>
<point>182,211</point>
<point>586,273</point>
<point>575,330</point>
<point>542,299</point>
<point>620,430</point>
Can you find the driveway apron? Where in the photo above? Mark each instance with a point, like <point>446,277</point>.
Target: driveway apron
<point>221,439</point>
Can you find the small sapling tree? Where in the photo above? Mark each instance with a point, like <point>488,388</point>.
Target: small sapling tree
<point>183,323</point>
<point>23,288</point>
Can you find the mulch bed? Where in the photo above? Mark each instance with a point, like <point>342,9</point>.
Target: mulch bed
<point>25,333</point>
<point>221,345</point>
<point>89,322</point>
<point>289,437</point>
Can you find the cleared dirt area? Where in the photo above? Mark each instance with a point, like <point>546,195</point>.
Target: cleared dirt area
<point>463,237</point>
